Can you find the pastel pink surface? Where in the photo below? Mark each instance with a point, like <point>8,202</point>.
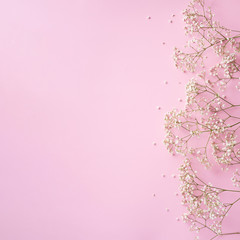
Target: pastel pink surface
<point>80,83</point>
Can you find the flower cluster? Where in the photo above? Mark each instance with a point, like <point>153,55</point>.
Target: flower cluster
<point>236,178</point>
<point>205,210</point>
<point>224,149</point>
<point>185,61</point>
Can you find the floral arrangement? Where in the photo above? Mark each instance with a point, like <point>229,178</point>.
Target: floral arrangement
<point>211,117</point>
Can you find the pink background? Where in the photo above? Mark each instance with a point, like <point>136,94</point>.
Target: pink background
<point>79,88</point>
